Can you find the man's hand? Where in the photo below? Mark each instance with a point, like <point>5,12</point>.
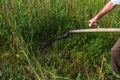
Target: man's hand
<point>93,22</point>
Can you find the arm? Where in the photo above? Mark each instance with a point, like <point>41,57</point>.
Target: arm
<point>108,7</point>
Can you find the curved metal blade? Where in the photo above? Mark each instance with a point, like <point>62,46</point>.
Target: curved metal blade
<point>49,42</point>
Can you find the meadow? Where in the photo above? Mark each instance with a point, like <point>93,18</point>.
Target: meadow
<point>25,26</point>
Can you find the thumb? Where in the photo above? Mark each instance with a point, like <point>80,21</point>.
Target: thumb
<point>90,25</point>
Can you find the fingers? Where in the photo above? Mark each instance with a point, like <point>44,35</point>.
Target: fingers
<point>93,23</point>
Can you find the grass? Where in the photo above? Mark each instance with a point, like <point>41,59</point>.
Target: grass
<point>25,25</point>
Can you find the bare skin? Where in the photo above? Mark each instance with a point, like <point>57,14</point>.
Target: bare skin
<point>107,8</point>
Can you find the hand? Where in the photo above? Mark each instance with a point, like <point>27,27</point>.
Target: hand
<point>93,22</point>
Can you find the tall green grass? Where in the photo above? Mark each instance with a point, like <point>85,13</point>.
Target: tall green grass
<point>25,25</point>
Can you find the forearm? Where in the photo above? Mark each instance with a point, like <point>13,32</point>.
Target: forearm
<point>108,7</point>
